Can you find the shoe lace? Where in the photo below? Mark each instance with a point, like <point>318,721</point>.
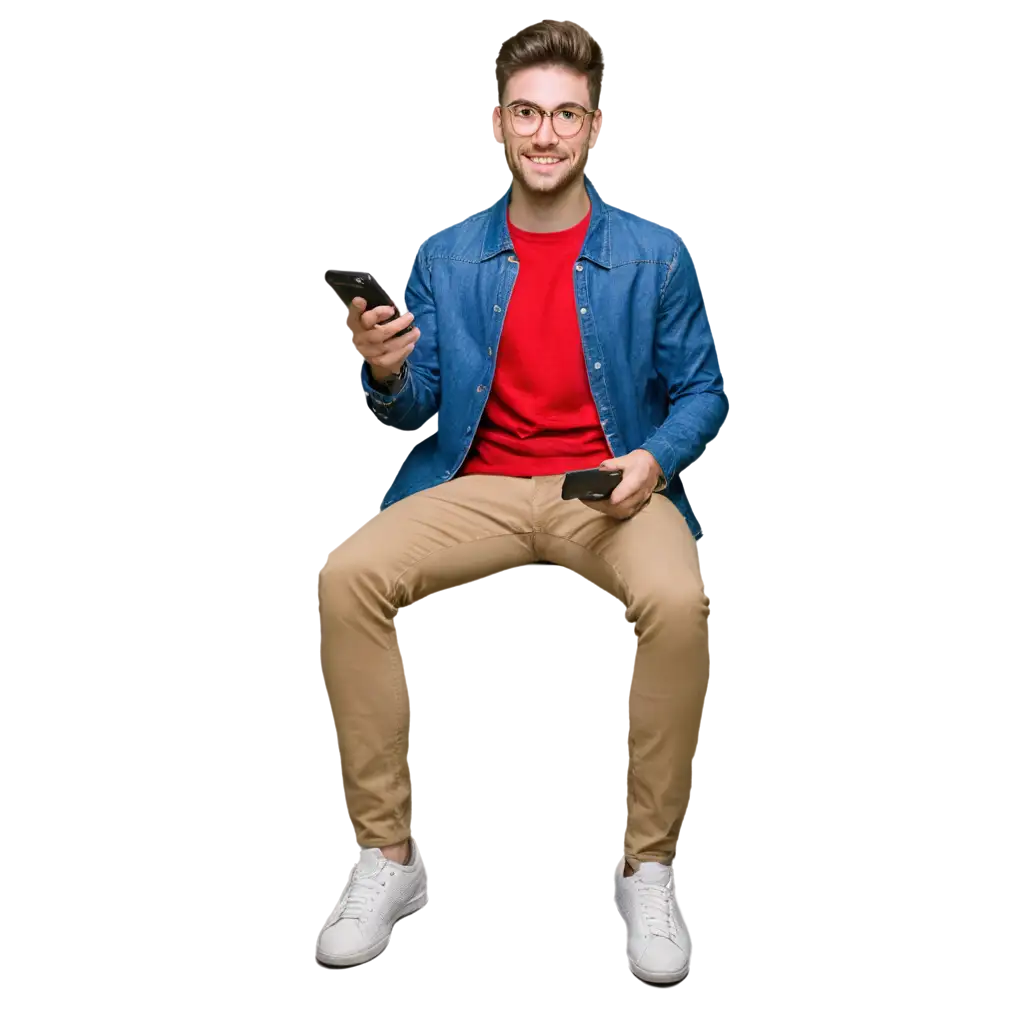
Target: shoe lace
<point>358,896</point>
<point>656,908</point>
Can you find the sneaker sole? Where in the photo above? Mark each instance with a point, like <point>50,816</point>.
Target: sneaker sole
<point>658,977</point>
<point>352,959</point>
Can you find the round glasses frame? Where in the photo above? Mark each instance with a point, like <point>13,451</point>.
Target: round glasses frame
<point>546,113</point>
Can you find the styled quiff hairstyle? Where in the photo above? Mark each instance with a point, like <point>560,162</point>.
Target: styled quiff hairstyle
<point>558,43</point>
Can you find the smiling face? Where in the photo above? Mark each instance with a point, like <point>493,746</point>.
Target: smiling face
<point>548,88</point>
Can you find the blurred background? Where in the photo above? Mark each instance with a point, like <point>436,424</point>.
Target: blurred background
<point>180,436</point>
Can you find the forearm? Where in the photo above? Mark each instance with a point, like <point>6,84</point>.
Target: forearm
<point>407,404</point>
<point>691,423</point>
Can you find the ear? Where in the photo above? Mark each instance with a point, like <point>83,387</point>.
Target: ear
<point>599,131</point>
<point>495,125</point>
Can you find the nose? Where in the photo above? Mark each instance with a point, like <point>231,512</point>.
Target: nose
<point>545,134</point>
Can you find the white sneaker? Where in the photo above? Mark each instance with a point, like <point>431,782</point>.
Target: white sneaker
<point>657,943</point>
<point>378,893</point>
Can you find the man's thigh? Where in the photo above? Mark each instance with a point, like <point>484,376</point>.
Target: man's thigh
<point>454,532</point>
<point>651,555</point>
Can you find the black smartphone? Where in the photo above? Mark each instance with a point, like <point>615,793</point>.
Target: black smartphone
<point>592,484</point>
<point>352,283</point>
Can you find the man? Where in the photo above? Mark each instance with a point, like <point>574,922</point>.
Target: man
<point>606,359</point>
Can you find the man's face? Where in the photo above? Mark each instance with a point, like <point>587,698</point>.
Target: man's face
<point>548,88</point>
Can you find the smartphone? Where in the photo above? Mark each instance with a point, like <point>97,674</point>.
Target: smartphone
<point>352,283</point>
<point>592,484</point>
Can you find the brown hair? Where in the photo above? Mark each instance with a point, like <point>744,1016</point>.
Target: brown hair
<point>552,43</point>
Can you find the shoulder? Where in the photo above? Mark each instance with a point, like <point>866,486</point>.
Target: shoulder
<point>457,241</point>
<point>636,237</point>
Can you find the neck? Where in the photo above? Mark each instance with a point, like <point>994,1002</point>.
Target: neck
<point>535,211</point>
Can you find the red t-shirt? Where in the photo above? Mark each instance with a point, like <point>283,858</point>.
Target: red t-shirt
<point>540,417</point>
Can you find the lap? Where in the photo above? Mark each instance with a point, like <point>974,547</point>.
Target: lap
<point>652,554</point>
<point>454,532</point>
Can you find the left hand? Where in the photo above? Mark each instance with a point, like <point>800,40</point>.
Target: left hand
<point>640,474</point>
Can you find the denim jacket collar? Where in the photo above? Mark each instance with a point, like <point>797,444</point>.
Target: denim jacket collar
<point>596,244</point>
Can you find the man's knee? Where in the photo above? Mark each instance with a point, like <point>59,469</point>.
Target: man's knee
<point>676,602</point>
<point>346,575</point>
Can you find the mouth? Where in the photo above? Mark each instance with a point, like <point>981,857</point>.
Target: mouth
<point>545,163</point>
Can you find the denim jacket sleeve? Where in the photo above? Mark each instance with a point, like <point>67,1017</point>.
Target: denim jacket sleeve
<point>420,395</point>
<point>685,358</point>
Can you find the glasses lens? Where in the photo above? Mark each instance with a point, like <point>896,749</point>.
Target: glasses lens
<point>525,120</point>
<point>567,122</point>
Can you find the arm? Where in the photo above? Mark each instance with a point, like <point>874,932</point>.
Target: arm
<point>419,393</point>
<point>684,356</point>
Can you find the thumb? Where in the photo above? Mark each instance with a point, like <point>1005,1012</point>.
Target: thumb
<point>609,464</point>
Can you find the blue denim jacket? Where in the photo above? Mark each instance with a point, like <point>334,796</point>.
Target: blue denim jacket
<point>649,352</point>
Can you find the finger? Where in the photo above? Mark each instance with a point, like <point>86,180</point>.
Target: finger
<point>617,497</point>
<point>390,363</point>
<point>356,307</point>
<point>392,327</point>
<point>394,344</point>
<point>392,357</point>
<point>613,512</point>
<point>389,346</point>
<point>632,506</point>
<point>371,317</point>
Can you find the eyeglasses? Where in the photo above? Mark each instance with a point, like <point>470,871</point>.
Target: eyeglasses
<point>526,119</point>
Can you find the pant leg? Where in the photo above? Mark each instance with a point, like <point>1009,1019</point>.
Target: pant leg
<point>650,563</point>
<point>460,530</point>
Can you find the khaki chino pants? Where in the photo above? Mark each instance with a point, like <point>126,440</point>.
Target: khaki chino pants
<point>476,525</point>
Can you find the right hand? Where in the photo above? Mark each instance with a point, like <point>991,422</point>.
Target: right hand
<point>375,341</point>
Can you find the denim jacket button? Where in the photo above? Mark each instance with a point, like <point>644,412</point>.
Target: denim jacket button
<point>597,366</point>
<point>480,387</point>
<point>497,309</point>
<point>583,309</point>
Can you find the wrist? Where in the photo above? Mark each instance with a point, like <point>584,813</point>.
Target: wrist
<point>388,380</point>
<point>379,374</point>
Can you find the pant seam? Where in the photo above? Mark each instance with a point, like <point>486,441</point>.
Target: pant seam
<point>393,590</point>
<point>594,554</point>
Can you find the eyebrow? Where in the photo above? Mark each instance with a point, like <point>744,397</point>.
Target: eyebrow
<point>565,103</point>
